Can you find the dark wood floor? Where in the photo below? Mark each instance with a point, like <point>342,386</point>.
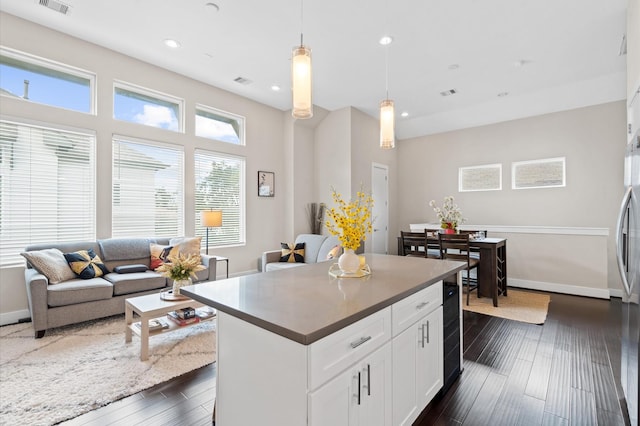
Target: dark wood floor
<point>562,373</point>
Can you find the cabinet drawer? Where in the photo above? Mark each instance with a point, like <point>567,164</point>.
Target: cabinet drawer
<point>412,308</point>
<point>336,352</point>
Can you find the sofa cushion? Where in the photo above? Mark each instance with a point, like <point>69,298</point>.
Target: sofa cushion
<point>276,266</point>
<point>79,291</point>
<point>86,264</point>
<point>135,282</point>
<point>292,253</point>
<point>313,243</point>
<point>50,263</point>
<point>330,249</point>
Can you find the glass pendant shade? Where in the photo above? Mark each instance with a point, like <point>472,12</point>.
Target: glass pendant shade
<point>387,124</point>
<point>301,83</point>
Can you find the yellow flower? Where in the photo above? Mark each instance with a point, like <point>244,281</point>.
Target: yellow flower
<point>351,221</point>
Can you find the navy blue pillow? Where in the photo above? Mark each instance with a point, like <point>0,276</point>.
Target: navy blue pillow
<point>86,264</point>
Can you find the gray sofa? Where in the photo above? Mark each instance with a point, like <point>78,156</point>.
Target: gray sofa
<point>76,300</point>
<point>317,248</point>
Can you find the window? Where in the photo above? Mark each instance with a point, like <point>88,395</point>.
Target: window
<point>547,173</point>
<point>148,189</point>
<point>144,106</point>
<point>46,82</point>
<point>220,183</point>
<point>219,125</point>
<point>47,187</point>
<point>480,178</point>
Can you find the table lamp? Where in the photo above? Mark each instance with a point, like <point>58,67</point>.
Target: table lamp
<point>210,219</point>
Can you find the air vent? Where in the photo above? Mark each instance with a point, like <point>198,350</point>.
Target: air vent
<point>242,80</point>
<point>55,5</point>
<point>448,92</point>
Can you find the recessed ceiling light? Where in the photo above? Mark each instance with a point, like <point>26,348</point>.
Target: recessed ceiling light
<point>171,43</point>
<point>385,40</point>
<point>275,88</point>
<point>404,114</point>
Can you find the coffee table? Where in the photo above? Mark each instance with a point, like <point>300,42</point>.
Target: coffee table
<point>147,308</point>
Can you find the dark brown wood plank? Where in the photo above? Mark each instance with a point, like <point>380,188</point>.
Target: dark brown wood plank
<point>583,408</point>
<point>559,389</point>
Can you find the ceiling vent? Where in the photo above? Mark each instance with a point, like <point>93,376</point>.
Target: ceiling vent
<point>55,5</point>
<point>448,92</point>
<point>242,80</point>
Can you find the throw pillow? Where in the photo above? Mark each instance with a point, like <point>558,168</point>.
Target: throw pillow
<point>129,269</point>
<point>186,245</point>
<point>160,254</point>
<point>86,264</point>
<point>333,253</point>
<point>50,263</point>
<point>292,254</point>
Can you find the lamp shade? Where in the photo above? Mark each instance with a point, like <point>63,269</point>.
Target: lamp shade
<point>301,83</point>
<point>211,218</point>
<point>387,124</point>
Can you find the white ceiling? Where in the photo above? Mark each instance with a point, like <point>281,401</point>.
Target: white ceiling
<point>570,50</point>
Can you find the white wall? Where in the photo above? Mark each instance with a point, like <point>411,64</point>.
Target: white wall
<point>633,48</point>
<point>590,138</point>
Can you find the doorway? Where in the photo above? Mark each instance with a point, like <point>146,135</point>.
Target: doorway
<point>380,211</point>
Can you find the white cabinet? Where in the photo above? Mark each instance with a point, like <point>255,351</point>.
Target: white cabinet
<point>417,359</point>
<point>360,396</point>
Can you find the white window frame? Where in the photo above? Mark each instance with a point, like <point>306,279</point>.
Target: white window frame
<point>224,114</point>
<point>58,67</point>
<point>515,166</point>
<point>471,169</point>
<point>181,198</point>
<point>44,230</point>
<point>143,91</point>
<point>241,200</point>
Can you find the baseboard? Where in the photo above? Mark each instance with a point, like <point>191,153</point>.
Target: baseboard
<point>600,293</point>
<point>615,292</point>
<point>14,317</point>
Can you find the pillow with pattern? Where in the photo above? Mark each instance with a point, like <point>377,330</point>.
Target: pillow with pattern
<point>50,263</point>
<point>160,254</point>
<point>86,264</point>
<point>291,253</point>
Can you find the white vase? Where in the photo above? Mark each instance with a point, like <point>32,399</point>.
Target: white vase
<point>349,262</point>
<point>178,284</point>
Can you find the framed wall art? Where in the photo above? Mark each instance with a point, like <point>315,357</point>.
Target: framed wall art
<point>266,184</point>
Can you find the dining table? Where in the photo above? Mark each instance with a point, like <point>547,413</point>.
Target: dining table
<point>492,271</point>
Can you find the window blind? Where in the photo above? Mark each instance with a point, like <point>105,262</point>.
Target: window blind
<point>148,194</point>
<point>219,185</point>
<point>47,187</point>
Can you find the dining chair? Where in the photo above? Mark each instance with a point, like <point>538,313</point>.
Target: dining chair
<point>411,242</point>
<point>456,247</point>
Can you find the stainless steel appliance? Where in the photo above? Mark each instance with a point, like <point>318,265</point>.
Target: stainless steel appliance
<point>628,256</point>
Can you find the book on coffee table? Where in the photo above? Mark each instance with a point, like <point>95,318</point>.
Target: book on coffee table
<point>155,324</point>
<point>173,315</point>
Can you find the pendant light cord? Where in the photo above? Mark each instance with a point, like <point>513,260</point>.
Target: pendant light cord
<point>301,21</point>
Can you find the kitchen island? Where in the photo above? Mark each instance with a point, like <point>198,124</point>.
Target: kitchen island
<point>298,346</point>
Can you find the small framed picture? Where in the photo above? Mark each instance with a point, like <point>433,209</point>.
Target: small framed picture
<point>266,184</point>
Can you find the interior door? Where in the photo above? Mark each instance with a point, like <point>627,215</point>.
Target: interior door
<point>380,194</point>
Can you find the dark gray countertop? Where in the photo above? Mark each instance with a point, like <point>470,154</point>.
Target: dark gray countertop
<point>305,304</point>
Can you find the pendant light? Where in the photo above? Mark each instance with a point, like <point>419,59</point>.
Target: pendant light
<point>387,112</point>
<point>301,78</point>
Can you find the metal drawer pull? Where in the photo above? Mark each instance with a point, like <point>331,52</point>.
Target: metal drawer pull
<point>369,379</point>
<point>359,385</point>
<point>422,305</point>
<point>359,342</point>
<point>427,331</point>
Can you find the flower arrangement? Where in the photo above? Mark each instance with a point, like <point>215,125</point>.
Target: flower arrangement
<point>181,267</point>
<point>449,215</point>
<point>350,221</point>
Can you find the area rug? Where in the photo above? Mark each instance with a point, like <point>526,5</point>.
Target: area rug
<point>76,369</point>
<point>518,305</point>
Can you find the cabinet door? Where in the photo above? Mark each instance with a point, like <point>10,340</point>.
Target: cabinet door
<point>336,403</point>
<point>430,364</point>
<point>376,389</point>
<point>405,360</point>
